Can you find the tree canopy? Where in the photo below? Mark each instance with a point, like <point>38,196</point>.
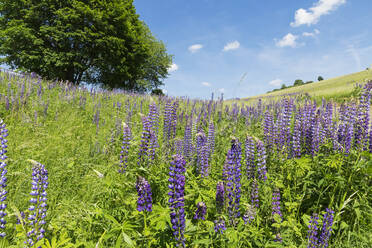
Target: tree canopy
<point>298,82</point>
<point>94,41</point>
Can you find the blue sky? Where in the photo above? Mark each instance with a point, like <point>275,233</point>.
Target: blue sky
<point>247,47</point>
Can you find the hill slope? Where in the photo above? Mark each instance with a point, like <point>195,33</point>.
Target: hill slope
<point>338,87</point>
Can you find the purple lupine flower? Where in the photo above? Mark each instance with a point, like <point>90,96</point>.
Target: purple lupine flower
<point>269,130</point>
<point>201,211</point>
<point>233,185</point>
<point>153,118</point>
<point>219,225</point>
<point>313,232</point>
<point>205,161</point>
<point>210,139</point>
<point>350,128</point>
<point>176,197</point>
<point>125,149</point>
<point>362,123</point>
<point>254,194</point>
<point>261,161</point>
<point>315,130</point>
<point>170,122</point>
<point>145,140</point>
<point>202,150</point>
<point>153,144</point>
<point>38,207</point>
<point>327,228</point>
<point>249,214</point>
<point>297,139</point>
<point>144,201</point>
<point>3,178</point>
<point>370,139</point>
<point>249,157</point>
<point>276,204</point>
<point>285,117</point>
<point>179,145</point>
<point>220,197</point>
<point>188,146</point>
<point>328,119</point>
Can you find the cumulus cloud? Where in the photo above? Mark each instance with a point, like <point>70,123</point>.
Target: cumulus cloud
<point>231,46</point>
<point>309,34</point>
<point>313,14</point>
<point>173,67</point>
<point>194,48</point>
<point>206,84</point>
<point>276,82</point>
<point>288,40</point>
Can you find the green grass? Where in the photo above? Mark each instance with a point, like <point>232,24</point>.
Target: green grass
<point>337,88</point>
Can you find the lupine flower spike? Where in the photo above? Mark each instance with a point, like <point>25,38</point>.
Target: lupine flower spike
<point>220,197</point>
<point>219,225</point>
<point>3,179</point>
<point>327,228</point>
<point>276,204</point>
<point>38,207</point>
<point>313,232</point>
<point>176,198</point>
<point>144,201</point>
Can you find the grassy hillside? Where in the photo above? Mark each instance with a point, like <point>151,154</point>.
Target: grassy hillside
<point>336,88</point>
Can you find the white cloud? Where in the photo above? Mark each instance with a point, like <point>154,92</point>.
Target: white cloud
<point>309,34</point>
<point>173,67</point>
<point>276,82</point>
<point>231,46</point>
<point>196,47</point>
<point>206,84</point>
<point>312,15</point>
<point>222,90</point>
<point>288,40</point>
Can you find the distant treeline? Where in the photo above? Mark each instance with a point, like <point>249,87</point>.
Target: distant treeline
<point>297,82</point>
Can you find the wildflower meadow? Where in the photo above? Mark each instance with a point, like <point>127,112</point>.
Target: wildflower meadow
<point>82,167</point>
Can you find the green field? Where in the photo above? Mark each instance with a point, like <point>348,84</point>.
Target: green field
<point>333,88</point>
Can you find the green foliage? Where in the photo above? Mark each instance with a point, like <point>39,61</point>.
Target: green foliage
<point>298,82</point>
<point>101,42</point>
<point>157,92</point>
<point>320,78</point>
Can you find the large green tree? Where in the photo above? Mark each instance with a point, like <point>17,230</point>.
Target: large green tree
<point>94,41</point>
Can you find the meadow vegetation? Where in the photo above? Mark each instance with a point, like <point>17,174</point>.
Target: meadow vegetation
<point>126,170</point>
